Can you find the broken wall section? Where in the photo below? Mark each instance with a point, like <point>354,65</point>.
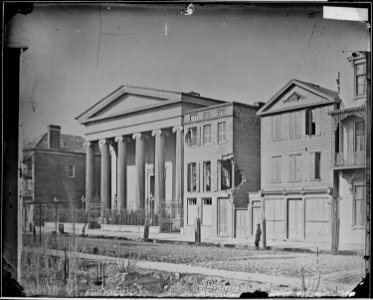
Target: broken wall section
<point>246,147</point>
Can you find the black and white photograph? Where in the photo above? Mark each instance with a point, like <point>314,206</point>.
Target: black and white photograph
<point>186,149</point>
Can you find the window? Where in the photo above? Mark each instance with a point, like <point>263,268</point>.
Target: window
<point>225,174</point>
<point>193,136</point>
<point>276,168</point>
<point>207,134</point>
<point>192,210</point>
<point>295,124</point>
<point>276,127</point>
<point>206,115</point>
<point>207,176</point>
<point>192,177</point>
<point>315,160</point>
<point>193,117</point>
<point>71,171</point>
<point>295,167</point>
<point>359,136</point>
<point>359,205</point>
<point>360,80</point>
<point>221,112</point>
<point>222,132</point>
<point>206,211</point>
<point>313,121</point>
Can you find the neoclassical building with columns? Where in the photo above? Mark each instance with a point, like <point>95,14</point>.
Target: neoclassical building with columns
<point>138,133</point>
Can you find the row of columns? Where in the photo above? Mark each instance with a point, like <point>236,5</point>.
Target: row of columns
<point>122,153</point>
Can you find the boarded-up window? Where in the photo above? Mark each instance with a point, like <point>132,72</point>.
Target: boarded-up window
<point>295,125</point>
<point>295,167</point>
<point>315,163</point>
<point>276,127</point>
<point>359,205</point>
<point>192,177</point>
<point>225,174</point>
<point>276,168</point>
<point>192,210</point>
<point>206,211</point>
<point>207,176</point>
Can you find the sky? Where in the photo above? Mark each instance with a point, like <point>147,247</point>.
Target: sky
<point>78,54</point>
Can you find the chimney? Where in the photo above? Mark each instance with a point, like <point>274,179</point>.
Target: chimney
<point>54,133</point>
<point>259,104</point>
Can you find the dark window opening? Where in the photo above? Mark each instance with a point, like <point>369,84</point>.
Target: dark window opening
<point>226,175</point>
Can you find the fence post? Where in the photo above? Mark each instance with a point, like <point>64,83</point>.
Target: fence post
<point>197,230</point>
<point>146,225</point>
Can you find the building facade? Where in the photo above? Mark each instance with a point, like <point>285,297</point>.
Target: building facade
<point>221,165</point>
<point>349,158</point>
<point>139,132</point>
<point>53,169</point>
<point>296,193</point>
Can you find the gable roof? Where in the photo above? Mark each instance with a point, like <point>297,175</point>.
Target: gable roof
<point>330,95</point>
<point>156,98</point>
<point>68,142</point>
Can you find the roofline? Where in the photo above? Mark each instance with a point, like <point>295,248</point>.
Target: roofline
<point>166,102</point>
<point>220,105</point>
<point>99,102</point>
<point>297,108</point>
<point>285,87</point>
<point>55,150</point>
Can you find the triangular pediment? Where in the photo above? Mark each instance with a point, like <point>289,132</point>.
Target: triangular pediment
<point>126,102</point>
<point>296,95</point>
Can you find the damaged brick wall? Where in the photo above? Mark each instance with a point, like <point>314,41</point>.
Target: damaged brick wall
<point>246,145</point>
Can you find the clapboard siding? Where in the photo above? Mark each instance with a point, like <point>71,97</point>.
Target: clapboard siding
<point>304,145</point>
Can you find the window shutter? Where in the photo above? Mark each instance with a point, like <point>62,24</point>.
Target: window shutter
<point>317,165</point>
<point>219,176</point>
<point>197,176</point>
<point>199,135</point>
<point>298,167</point>
<point>189,177</point>
<point>308,121</point>
<point>273,169</point>
<point>317,120</point>
<point>312,165</point>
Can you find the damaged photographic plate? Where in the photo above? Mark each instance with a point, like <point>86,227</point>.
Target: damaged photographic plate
<point>187,149</point>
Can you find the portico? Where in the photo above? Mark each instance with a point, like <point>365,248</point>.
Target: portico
<point>144,130</point>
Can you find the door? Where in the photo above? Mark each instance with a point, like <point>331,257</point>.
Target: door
<point>317,219</point>
<point>241,223</point>
<point>255,218</point>
<point>295,218</point>
<point>223,216</point>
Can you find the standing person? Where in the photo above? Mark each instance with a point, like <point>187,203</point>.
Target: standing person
<point>257,236</point>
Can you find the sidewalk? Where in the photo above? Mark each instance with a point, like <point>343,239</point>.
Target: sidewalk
<point>276,245</point>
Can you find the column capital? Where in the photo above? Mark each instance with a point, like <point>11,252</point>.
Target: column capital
<point>139,135</point>
<point>159,132</point>
<point>87,144</point>
<point>121,138</point>
<point>177,128</point>
<point>103,142</point>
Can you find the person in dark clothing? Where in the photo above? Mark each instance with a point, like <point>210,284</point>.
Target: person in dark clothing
<point>257,236</point>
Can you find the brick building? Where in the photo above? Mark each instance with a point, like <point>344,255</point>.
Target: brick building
<point>296,193</point>
<point>54,168</point>
<point>221,165</point>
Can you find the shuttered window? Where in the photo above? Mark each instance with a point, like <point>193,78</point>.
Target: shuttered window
<point>276,127</point>
<point>207,176</point>
<point>359,136</point>
<point>222,132</point>
<point>312,118</point>
<point>192,177</point>
<point>207,134</point>
<point>192,210</point>
<point>276,168</point>
<point>295,167</point>
<point>295,125</point>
